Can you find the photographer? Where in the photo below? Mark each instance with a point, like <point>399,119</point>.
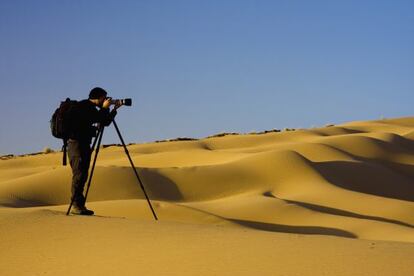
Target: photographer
<point>84,117</point>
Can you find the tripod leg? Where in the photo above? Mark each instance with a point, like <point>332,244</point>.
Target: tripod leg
<point>94,162</point>
<point>97,138</point>
<point>134,169</point>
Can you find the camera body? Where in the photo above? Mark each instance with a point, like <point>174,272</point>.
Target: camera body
<point>127,102</point>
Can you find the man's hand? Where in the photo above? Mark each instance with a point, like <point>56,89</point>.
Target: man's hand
<point>118,104</point>
<point>107,103</point>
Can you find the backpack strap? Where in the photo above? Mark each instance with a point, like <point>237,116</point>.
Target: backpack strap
<point>65,144</point>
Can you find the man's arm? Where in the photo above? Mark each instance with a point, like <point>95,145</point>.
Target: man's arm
<point>105,117</point>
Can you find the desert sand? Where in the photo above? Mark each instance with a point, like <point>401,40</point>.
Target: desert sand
<point>335,200</point>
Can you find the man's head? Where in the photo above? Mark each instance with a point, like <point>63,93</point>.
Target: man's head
<point>97,95</point>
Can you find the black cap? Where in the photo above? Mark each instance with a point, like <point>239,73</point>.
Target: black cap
<point>96,93</point>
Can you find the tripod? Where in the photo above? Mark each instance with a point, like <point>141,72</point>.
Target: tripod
<point>96,146</point>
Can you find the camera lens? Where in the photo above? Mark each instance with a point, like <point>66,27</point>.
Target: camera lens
<point>127,102</point>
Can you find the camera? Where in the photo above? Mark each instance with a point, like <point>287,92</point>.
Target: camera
<point>127,102</point>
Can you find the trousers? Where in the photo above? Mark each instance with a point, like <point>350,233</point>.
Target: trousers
<point>79,157</point>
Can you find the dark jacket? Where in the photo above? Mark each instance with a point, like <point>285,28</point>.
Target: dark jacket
<point>84,116</point>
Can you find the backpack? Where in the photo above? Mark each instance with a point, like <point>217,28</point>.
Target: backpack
<point>61,123</point>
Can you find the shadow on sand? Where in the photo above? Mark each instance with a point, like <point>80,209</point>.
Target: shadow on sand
<point>309,230</point>
<point>339,212</point>
<point>158,186</point>
<point>375,176</point>
<point>280,228</point>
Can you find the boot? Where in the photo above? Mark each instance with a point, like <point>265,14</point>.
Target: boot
<point>76,210</point>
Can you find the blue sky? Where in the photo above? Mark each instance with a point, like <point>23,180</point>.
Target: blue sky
<point>195,68</point>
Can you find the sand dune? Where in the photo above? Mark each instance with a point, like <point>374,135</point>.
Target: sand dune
<point>337,200</point>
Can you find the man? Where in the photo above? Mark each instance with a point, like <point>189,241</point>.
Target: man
<point>84,116</point>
